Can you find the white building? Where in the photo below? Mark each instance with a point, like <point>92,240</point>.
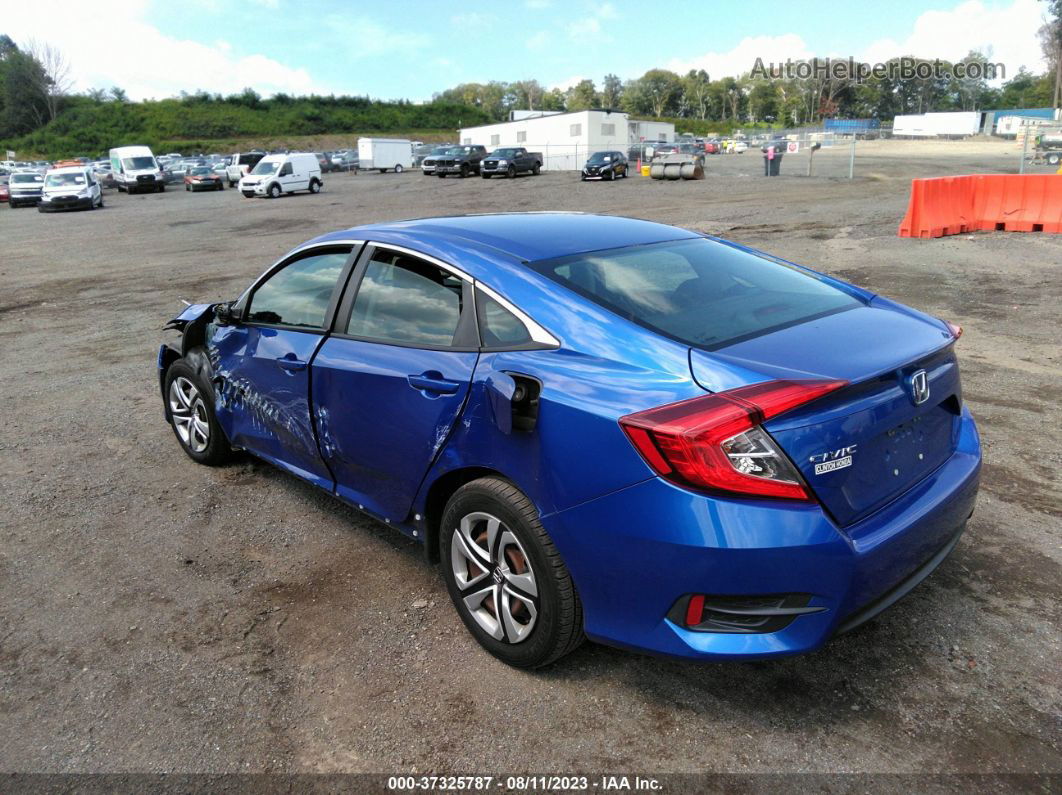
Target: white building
<point>566,140</point>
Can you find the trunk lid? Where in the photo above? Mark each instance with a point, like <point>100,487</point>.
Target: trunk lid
<point>866,444</point>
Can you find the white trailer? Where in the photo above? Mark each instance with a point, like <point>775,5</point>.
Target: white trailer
<point>937,125</point>
<point>385,154</point>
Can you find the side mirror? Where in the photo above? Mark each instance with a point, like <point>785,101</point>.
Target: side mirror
<point>223,314</point>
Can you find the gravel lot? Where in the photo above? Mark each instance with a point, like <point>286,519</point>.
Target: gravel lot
<point>160,616</point>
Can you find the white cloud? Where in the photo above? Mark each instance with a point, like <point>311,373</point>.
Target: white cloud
<point>742,58</point>
<point>570,82</point>
<point>537,41</point>
<point>1007,34</point>
<point>142,59</point>
<point>472,20</point>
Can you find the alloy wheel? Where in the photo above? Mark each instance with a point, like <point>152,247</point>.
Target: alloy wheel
<point>494,577</point>
<point>189,414</point>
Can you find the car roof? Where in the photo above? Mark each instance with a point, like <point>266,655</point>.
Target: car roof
<point>527,237</point>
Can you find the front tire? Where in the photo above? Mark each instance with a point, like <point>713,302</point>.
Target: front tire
<point>274,191</point>
<point>190,405</point>
<point>506,577</point>
<point>511,172</point>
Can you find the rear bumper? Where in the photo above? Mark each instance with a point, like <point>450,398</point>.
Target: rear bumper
<point>637,552</point>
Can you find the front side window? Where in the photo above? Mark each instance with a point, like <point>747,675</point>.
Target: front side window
<point>286,170</point>
<point>406,300</point>
<point>701,292</point>
<point>298,294</point>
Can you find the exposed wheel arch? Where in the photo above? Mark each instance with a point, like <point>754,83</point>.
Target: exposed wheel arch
<point>439,494</point>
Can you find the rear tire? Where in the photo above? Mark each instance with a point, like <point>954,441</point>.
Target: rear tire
<point>528,613</point>
<point>315,186</point>
<point>536,169</point>
<point>398,169</point>
<point>190,405</point>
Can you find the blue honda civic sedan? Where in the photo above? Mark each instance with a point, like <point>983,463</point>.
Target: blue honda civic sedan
<point>599,427</point>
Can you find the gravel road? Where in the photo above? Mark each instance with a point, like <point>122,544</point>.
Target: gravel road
<point>160,616</point>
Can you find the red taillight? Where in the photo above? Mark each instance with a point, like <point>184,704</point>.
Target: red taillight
<point>714,442</point>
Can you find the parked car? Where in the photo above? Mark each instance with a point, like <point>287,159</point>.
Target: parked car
<point>599,426</point>
<point>203,178</point>
<point>510,161</point>
<point>277,174</point>
<point>643,151</point>
<point>605,165</point>
<point>345,161</point>
<point>5,193</point>
<point>427,165</point>
<point>325,162</point>
<point>135,169</point>
<point>241,164</point>
<point>25,188</point>
<point>739,147</point>
<point>421,151</point>
<point>70,188</point>
<point>462,161</point>
<point>711,147</point>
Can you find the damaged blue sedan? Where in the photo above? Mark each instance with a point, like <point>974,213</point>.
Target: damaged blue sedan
<point>599,427</point>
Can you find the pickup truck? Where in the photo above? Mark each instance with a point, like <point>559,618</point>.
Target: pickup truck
<point>510,161</point>
<point>461,160</point>
<point>240,164</point>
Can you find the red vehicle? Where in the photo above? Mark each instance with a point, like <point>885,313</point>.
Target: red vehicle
<point>5,193</point>
<point>711,148</point>
<point>203,178</point>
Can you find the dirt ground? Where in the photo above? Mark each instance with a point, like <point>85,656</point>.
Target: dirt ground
<point>160,616</point>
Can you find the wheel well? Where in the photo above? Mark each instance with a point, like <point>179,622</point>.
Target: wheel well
<point>438,495</point>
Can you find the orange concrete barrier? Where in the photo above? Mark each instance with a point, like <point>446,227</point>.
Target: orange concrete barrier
<point>1002,202</point>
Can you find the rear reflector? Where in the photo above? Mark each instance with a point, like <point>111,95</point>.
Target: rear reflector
<point>714,442</point>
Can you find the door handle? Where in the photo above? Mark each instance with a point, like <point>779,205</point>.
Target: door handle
<point>432,381</point>
<point>290,363</point>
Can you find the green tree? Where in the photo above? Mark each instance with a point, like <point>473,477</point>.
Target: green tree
<point>697,93</point>
<point>611,91</point>
<point>118,94</point>
<point>581,96</point>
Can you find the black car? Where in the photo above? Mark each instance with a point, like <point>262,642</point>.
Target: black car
<point>427,165</point>
<point>460,160</point>
<point>605,165</point>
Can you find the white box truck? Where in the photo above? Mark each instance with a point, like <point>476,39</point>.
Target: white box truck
<point>135,169</point>
<point>385,154</point>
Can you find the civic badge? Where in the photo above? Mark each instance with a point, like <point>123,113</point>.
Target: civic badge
<point>919,384</point>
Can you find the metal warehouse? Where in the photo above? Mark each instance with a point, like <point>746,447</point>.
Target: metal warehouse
<point>566,140</point>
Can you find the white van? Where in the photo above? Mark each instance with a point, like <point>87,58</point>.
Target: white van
<point>135,169</point>
<point>384,154</point>
<point>70,187</point>
<point>276,174</point>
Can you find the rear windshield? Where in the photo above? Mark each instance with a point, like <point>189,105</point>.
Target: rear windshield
<point>703,293</point>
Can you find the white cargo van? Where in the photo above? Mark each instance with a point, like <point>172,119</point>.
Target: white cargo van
<point>135,169</point>
<point>384,154</point>
<point>276,174</point>
<point>70,187</point>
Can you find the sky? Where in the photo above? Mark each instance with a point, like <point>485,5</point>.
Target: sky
<point>410,49</point>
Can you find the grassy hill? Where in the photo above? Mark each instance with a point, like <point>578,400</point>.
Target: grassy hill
<point>208,124</point>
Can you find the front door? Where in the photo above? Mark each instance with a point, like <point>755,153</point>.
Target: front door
<point>390,382</point>
<point>262,362</point>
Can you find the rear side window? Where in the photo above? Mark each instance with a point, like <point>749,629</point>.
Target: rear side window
<point>498,327</point>
<point>407,300</point>
<point>703,293</point>
<point>298,294</point>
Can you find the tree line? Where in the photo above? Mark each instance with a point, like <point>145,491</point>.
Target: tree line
<point>782,102</point>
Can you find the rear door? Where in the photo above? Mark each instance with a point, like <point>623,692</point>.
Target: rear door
<point>262,362</point>
<point>391,380</point>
